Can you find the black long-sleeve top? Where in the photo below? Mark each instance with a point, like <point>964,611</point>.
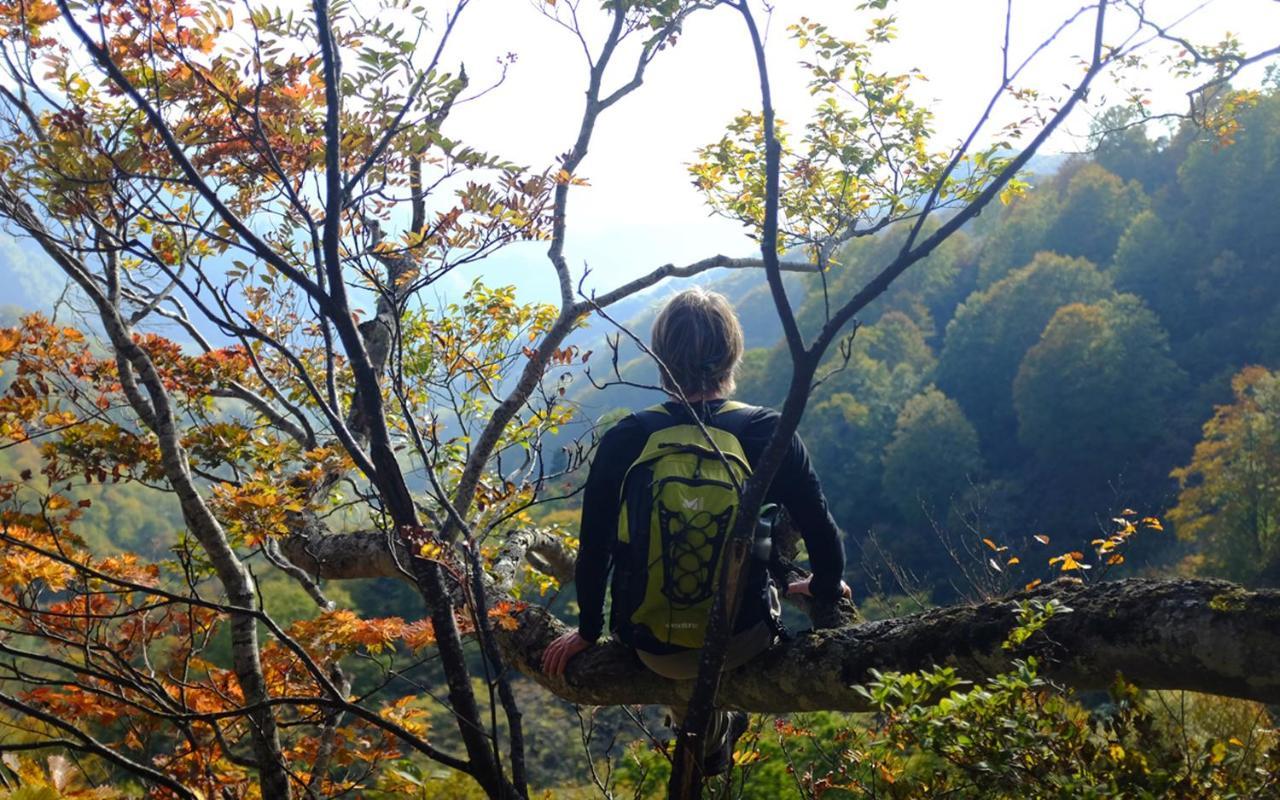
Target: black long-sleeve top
<point>796,488</point>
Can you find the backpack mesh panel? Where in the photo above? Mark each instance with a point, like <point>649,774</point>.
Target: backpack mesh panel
<point>691,547</point>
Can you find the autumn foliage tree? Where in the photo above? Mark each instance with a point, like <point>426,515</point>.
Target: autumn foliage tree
<point>1229,495</point>
<point>251,205</point>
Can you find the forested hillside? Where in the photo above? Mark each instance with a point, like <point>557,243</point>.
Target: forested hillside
<point>1052,366</point>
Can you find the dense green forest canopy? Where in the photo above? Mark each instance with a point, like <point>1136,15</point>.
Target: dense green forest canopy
<point>1055,365</point>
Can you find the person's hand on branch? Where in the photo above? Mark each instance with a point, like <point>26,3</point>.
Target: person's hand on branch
<point>802,587</point>
<point>557,655</point>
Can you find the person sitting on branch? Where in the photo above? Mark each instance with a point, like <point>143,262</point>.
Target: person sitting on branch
<point>659,503</point>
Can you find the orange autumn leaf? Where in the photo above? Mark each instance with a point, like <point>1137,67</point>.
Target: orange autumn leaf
<point>419,635</point>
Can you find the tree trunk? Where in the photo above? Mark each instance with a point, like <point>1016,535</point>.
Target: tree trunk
<point>1200,635</point>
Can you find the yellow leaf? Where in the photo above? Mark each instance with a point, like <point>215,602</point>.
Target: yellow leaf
<point>1069,563</point>
<point>1012,561</point>
<point>1219,752</point>
<point>743,757</point>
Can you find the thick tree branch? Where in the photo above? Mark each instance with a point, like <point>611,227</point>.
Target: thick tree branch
<point>345,556</point>
<point>1199,635</point>
<point>544,551</point>
<point>367,554</point>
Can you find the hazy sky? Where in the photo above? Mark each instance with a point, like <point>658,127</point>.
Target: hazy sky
<point>640,210</point>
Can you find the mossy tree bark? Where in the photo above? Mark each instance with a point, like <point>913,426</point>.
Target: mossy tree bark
<point>1200,635</point>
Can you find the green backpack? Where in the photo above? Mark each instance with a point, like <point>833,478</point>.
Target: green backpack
<point>678,505</point>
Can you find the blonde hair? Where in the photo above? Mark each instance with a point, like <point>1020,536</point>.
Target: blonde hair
<point>698,338</point>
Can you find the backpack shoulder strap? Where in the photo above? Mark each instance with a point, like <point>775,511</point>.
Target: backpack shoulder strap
<point>731,416</point>
<point>654,418</point>
<point>734,417</point>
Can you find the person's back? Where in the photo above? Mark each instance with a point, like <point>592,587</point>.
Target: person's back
<point>699,343</point>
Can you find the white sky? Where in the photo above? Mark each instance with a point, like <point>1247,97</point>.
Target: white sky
<point>640,210</point>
